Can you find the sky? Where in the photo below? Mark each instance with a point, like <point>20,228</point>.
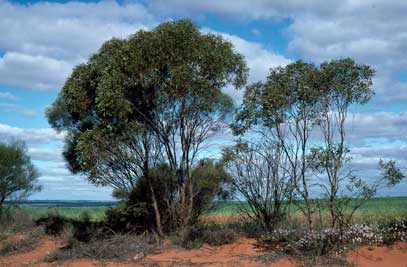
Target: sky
<point>40,43</point>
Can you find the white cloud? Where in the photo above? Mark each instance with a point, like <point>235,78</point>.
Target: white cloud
<point>7,95</point>
<point>390,126</point>
<point>247,9</point>
<point>33,72</point>
<point>389,90</point>
<point>386,152</point>
<point>43,41</point>
<point>258,58</point>
<point>11,107</point>
<point>372,32</point>
<point>46,154</point>
<point>31,136</point>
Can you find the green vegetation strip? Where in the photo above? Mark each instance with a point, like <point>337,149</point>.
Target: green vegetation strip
<point>376,208</point>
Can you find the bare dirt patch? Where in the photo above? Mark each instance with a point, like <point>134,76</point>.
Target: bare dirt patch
<point>245,252</point>
<point>42,249</point>
<point>392,256</point>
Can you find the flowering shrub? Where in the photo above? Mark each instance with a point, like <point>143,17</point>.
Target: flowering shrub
<point>316,243</point>
<point>395,231</point>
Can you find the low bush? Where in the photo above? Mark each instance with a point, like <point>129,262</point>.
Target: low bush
<point>26,243</point>
<point>116,247</point>
<point>394,231</point>
<point>81,230</point>
<point>197,235</point>
<point>15,220</point>
<point>53,225</point>
<point>317,243</point>
<point>220,237</point>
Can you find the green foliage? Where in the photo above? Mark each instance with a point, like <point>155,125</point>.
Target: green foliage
<point>85,216</point>
<point>17,174</point>
<point>15,220</point>
<point>140,79</point>
<point>391,174</point>
<point>196,235</point>
<point>288,92</point>
<point>136,214</point>
<point>212,183</point>
<point>302,90</point>
<point>149,99</point>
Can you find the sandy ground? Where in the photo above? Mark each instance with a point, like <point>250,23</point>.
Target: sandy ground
<point>244,253</point>
<point>393,256</point>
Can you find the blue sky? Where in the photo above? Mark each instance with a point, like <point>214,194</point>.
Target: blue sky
<point>41,42</point>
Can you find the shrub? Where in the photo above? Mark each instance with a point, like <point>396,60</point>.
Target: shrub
<point>394,231</point>
<point>195,236</point>
<point>26,243</point>
<point>85,216</point>
<point>136,214</point>
<point>190,237</point>
<point>220,237</point>
<point>53,225</point>
<point>15,220</point>
<point>82,231</point>
<point>317,243</point>
<point>115,247</point>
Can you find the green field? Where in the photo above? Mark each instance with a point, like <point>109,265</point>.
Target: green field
<point>95,213</point>
<point>377,209</point>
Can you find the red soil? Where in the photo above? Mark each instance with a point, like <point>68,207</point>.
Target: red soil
<point>242,253</point>
<point>245,252</point>
<point>45,247</point>
<point>393,256</point>
<point>12,238</point>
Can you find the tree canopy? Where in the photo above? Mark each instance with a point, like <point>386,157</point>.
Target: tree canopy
<point>17,174</point>
<point>164,84</point>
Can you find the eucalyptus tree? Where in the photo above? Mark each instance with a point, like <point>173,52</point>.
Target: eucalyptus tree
<point>18,176</point>
<point>165,82</point>
<point>287,105</point>
<point>345,84</point>
<point>305,108</point>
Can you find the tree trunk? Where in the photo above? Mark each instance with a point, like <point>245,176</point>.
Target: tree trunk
<point>156,211</point>
<point>2,199</point>
<point>309,215</point>
<point>191,200</point>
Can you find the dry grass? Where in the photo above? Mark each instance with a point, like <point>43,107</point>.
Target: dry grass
<point>24,244</point>
<point>115,247</point>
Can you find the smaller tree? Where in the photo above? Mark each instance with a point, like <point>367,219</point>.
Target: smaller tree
<point>212,184</point>
<point>287,104</point>
<point>136,213</point>
<point>17,174</point>
<point>260,176</point>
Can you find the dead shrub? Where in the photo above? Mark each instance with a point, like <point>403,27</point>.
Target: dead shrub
<point>116,247</point>
<point>27,243</point>
<point>220,237</point>
<point>53,225</point>
<point>15,220</point>
<point>197,235</point>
